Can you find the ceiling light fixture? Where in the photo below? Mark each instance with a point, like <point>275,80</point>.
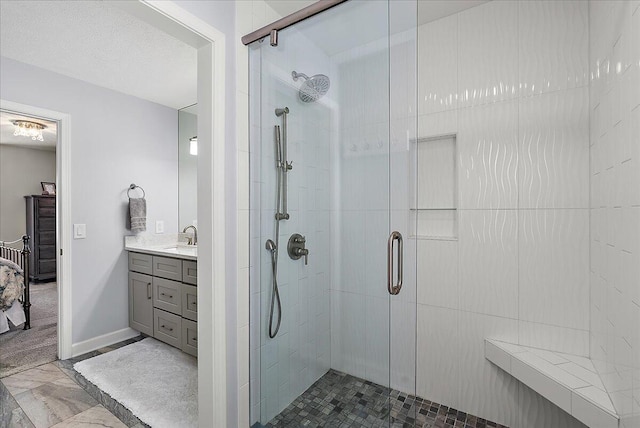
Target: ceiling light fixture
<point>26,128</point>
<point>193,145</point>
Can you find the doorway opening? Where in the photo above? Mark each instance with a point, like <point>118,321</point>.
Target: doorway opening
<point>28,241</point>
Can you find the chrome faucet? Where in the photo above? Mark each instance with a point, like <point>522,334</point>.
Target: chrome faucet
<point>190,240</point>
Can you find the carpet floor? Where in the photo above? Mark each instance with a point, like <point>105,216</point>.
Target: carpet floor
<point>24,349</point>
<point>156,382</point>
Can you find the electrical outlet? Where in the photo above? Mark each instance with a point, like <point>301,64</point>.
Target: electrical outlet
<point>159,226</point>
<point>79,231</point>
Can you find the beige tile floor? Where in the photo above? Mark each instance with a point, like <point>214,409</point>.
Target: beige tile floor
<point>46,396</point>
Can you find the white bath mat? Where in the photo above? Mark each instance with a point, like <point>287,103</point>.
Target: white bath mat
<point>157,382</point>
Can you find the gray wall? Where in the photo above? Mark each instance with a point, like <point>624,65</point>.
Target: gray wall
<point>21,171</point>
<point>116,140</point>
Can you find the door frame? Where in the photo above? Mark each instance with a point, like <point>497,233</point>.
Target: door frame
<point>212,351</point>
<point>63,217</point>
<point>212,327</point>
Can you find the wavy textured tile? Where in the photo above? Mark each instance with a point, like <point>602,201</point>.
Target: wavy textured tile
<point>554,267</point>
<point>486,390</point>
<point>437,372</point>
<point>488,53</point>
<point>489,262</point>
<point>438,65</point>
<point>488,156</point>
<point>554,150</point>
<point>437,280</point>
<point>538,412</point>
<point>553,41</point>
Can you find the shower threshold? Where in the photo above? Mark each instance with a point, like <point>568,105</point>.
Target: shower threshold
<point>341,400</point>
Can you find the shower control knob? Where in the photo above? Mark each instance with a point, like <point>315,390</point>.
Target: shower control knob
<point>296,247</point>
<point>303,252</point>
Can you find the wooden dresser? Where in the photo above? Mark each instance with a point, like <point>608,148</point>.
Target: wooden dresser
<point>41,227</point>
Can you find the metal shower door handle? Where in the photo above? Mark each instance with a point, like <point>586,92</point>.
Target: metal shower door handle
<point>394,289</point>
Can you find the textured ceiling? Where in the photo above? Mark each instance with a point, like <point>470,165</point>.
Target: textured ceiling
<point>99,43</point>
<point>49,134</point>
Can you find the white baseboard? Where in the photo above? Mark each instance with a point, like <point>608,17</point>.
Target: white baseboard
<point>102,341</point>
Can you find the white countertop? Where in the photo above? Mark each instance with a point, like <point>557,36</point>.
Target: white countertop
<point>161,245</point>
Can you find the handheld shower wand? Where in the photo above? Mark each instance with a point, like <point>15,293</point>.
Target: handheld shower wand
<point>275,295</point>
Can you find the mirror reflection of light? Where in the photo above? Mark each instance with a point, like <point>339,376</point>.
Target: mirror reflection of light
<point>193,146</point>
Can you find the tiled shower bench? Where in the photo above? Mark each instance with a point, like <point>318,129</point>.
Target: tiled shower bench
<point>571,382</point>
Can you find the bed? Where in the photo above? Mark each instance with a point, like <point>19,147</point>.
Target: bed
<point>14,284</point>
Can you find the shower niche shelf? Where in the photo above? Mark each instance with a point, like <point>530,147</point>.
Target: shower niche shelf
<point>433,213</point>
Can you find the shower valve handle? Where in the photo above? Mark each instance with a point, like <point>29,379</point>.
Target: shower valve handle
<point>304,252</point>
<point>296,248</point>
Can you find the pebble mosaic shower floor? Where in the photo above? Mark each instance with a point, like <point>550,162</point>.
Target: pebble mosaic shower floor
<point>341,400</point>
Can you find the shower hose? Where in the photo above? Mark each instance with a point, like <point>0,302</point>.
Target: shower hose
<point>273,247</point>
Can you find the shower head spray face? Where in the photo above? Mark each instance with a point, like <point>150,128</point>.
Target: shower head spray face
<point>313,88</point>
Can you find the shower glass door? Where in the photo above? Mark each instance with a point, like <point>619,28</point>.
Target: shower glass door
<point>329,343</point>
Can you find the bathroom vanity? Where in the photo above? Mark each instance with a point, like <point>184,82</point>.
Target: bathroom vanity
<point>163,294</point>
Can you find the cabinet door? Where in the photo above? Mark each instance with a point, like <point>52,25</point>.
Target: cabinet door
<point>141,303</point>
<point>190,272</point>
<point>190,302</point>
<point>190,337</point>
<point>166,267</point>
<point>168,327</point>
<point>167,295</point>
<point>140,263</point>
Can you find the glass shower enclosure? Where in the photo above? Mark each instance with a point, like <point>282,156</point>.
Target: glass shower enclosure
<point>435,185</point>
<point>327,136</point>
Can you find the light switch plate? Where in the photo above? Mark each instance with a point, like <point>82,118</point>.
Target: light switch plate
<point>159,226</point>
<point>79,231</point>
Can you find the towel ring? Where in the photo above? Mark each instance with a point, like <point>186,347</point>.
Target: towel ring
<point>132,187</point>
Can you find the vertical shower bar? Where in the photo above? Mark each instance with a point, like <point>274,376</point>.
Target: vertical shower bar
<point>284,165</point>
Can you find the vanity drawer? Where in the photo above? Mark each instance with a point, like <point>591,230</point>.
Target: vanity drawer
<point>167,295</point>
<point>166,267</point>
<point>190,337</point>
<point>167,327</point>
<point>190,272</point>
<point>190,302</point>
<point>140,263</point>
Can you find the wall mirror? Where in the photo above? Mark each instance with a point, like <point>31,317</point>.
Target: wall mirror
<point>188,166</point>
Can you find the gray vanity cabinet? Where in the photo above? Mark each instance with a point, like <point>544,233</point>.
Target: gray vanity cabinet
<point>163,303</point>
<point>167,295</point>
<point>141,303</point>
<point>190,337</point>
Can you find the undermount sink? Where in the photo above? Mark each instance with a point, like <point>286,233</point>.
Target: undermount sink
<point>182,248</point>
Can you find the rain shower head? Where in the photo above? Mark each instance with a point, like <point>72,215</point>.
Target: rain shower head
<point>313,88</point>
